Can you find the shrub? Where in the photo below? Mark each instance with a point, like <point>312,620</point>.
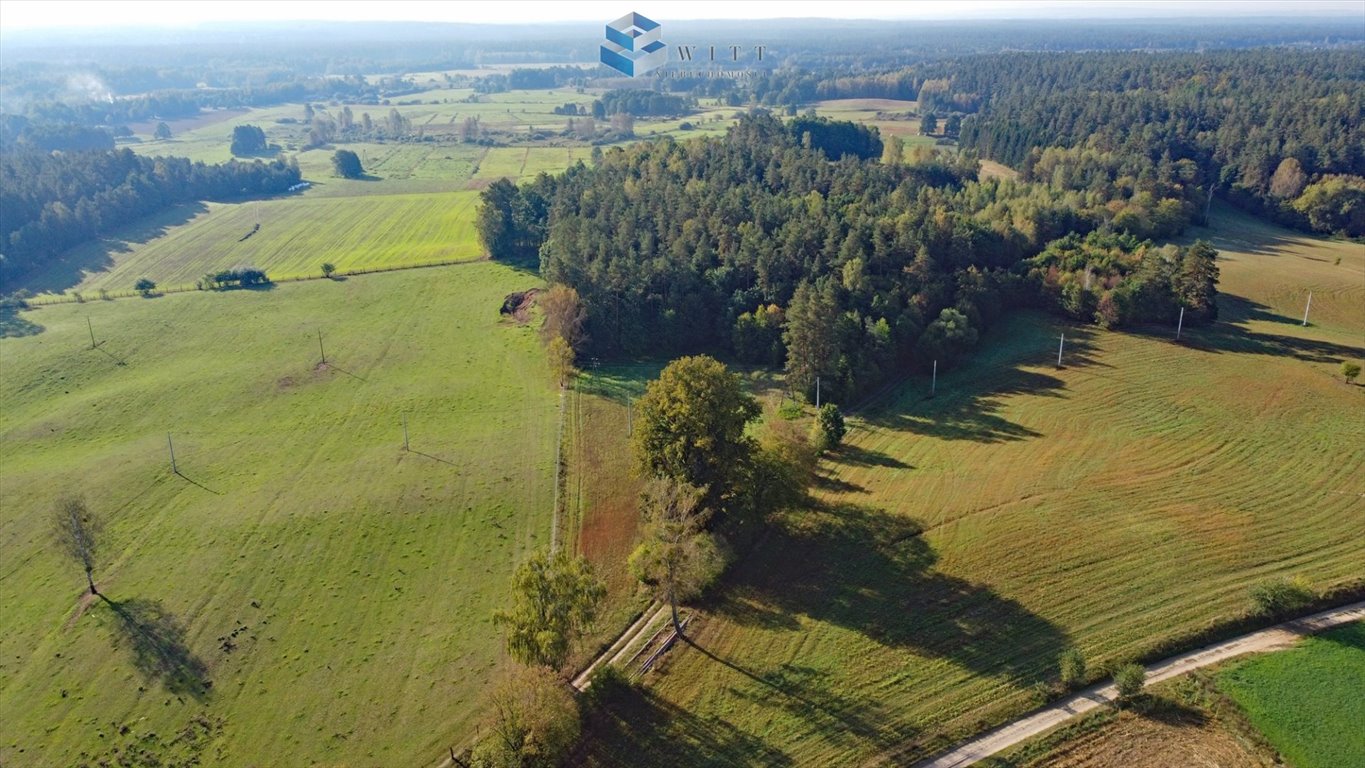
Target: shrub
<point>328,268</point>
<point>144,286</point>
<point>1281,597</point>
<point>1129,680</point>
<point>1350,370</point>
<point>1072,665</point>
<point>828,430</point>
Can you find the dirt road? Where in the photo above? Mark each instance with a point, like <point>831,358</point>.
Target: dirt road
<point>1273,639</point>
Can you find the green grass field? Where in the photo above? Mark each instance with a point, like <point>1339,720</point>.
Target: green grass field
<point>957,545</point>
<point>335,590</point>
<point>297,235</point>
<point>1307,700</point>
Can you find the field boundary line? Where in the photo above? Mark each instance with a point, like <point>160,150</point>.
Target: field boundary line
<point>94,296</point>
<point>1275,638</point>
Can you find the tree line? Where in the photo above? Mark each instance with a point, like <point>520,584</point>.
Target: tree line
<point>50,202</point>
<point>760,247</point>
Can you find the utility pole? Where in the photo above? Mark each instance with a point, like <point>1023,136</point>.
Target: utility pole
<point>320,349</point>
<point>89,325</point>
<point>630,417</point>
<point>1307,307</point>
<point>933,387</point>
<point>1208,205</point>
<point>171,446</point>
<point>1180,324</point>
<point>405,431</point>
<point>1060,345</point>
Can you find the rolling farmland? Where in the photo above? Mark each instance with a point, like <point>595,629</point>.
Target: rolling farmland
<point>958,544</point>
<point>312,593</point>
<point>296,236</point>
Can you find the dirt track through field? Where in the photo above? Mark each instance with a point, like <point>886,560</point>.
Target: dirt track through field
<point>1275,638</point>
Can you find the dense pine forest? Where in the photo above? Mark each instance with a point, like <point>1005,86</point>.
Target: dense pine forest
<point>773,244</point>
<point>1281,134</point>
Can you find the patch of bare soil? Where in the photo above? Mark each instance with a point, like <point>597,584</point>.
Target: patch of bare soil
<point>518,305</point>
<point>1174,739</point>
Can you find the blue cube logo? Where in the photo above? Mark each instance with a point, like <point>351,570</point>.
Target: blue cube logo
<point>633,46</point>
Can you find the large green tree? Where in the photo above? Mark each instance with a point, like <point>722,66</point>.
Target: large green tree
<point>690,428</point>
<point>554,600</point>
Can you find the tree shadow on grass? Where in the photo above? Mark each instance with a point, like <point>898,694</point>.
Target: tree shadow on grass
<point>863,457</point>
<point>156,639</point>
<point>14,326</point>
<point>807,694</point>
<point>627,723</point>
<point>68,269</point>
<point>620,383</point>
<point>969,400</point>
<point>871,572</point>
<point>1233,335</point>
<point>1171,712</point>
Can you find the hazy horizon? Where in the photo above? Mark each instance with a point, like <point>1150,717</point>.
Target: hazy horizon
<point>31,15</point>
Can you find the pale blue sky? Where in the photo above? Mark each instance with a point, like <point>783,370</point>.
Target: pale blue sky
<point>28,14</point>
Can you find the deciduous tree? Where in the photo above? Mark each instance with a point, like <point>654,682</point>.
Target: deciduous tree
<point>532,722</point>
<point>678,557</point>
<point>690,428</point>
<point>347,164</point>
<point>554,600</point>
<point>564,315</point>
<point>561,358</point>
<point>1350,371</point>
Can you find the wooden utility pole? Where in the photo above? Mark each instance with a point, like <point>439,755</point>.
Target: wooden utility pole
<point>1307,307</point>
<point>1060,344</point>
<point>170,445</point>
<point>320,349</point>
<point>1180,324</point>
<point>405,432</point>
<point>91,326</point>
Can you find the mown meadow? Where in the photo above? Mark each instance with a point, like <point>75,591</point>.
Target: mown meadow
<point>304,591</point>
<point>1123,504</point>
